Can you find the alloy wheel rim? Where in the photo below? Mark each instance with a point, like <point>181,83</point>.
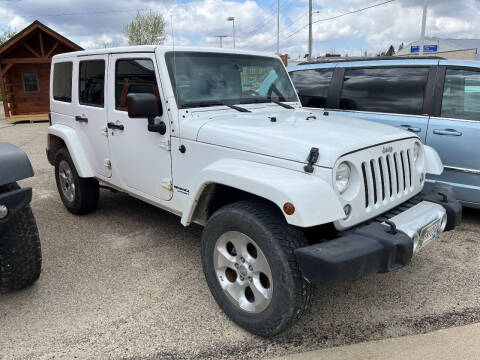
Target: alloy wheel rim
<point>243,272</point>
<point>67,183</point>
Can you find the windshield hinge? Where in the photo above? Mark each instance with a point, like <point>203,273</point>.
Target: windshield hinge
<point>312,159</point>
<point>107,163</point>
<point>165,144</point>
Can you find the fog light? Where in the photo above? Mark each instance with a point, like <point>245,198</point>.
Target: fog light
<point>288,208</point>
<point>347,209</point>
<point>444,222</point>
<point>3,211</point>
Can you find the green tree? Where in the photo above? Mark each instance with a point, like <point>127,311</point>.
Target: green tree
<point>390,51</point>
<point>6,35</point>
<point>145,29</point>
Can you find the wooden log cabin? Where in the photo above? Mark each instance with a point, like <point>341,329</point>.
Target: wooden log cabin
<point>25,71</point>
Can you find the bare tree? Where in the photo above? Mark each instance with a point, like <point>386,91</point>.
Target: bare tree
<point>146,29</point>
<point>7,35</point>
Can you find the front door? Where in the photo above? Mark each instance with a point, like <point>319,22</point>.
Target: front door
<point>91,111</point>
<point>140,159</point>
<point>454,131</point>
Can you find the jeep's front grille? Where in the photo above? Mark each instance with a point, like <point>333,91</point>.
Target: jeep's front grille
<point>387,177</point>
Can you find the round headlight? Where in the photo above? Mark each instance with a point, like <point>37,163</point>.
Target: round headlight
<point>342,177</point>
<point>416,151</point>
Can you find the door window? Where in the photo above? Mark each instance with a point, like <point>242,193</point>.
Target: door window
<point>386,90</point>
<point>62,81</point>
<point>461,95</point>
<point>312,86</point>
<point>91,82</point>
<point>135,76</point>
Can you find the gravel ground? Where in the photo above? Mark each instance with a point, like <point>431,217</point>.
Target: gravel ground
<point>126,281</point>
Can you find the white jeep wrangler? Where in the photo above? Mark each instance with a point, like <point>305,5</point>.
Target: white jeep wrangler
<point>288,198</point>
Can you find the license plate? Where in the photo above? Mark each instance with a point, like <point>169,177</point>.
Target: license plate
<point>429,233</point>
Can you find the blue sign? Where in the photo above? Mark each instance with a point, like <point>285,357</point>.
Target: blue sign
<point>430,48</point>
<point>426,48</point>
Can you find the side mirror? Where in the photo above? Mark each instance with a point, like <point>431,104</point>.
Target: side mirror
<point>143,106</point>
<point>146,106</point>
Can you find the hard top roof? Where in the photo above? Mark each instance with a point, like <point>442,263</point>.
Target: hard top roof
<point>162,48</point>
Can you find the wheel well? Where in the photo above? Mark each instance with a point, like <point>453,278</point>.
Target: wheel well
<point>55,143</point>
<point>215,196</point>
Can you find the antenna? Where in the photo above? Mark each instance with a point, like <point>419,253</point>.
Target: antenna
<point>175,78</point>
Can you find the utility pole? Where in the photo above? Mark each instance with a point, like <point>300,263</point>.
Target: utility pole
<point>424,23</point>
<point>310,35</point>
<point>221,38</point>
<point>232,19</point>
<point>278,27</point>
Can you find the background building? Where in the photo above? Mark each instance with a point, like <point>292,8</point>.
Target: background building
<point>25,71</point>
<point>461,49</point>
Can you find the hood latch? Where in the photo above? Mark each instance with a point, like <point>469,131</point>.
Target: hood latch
<point>312,159</point>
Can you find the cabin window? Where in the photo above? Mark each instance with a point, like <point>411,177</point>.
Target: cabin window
<point>91,82</point>
<point>62,81</point>
<point>30,82</point>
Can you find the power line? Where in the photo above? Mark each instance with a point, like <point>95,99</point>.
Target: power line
<point>341,15</point>
<point>286,28</point>
<point>92,12</point>
<point>265,22</point>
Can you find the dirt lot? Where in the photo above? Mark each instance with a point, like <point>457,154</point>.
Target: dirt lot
<point>126,281</point>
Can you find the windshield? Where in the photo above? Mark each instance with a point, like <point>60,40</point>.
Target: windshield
<point>205,79</point>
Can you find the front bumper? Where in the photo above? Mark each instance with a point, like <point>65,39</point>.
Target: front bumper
<point>384,244</point>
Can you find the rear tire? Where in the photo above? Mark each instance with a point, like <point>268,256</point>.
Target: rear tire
<point>243,233</point>
<point>20,251</point>
<point>79,195</point>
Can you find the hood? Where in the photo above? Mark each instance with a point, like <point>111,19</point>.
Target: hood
<point>295,132</point>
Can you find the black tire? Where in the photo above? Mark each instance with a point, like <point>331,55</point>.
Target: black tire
<point>86,189</point>
<point>264,224</point>
<point>20,251</point>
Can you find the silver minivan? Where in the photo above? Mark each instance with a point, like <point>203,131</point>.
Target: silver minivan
<point>439,100</point>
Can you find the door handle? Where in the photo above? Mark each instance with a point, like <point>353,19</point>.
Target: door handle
<point>411,128</point>
<point>81,119</point>
<point>448,132</point>
<point>112,125</point>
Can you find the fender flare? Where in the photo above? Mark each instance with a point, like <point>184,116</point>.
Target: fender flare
<point>434,164</point>
<point>14,164</point>
<point>77,153</point>
<point>314,200</point>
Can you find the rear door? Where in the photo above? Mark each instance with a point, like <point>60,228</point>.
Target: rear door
<point>393,95</point>
<point>454,129</point>
<point>90,114</point>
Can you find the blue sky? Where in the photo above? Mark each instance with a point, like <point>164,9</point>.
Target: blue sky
<point>94,23</point>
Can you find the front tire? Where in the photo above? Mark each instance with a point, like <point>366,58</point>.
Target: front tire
<point>250,267</point>
<point>20,251</point>
<point>79,195</point>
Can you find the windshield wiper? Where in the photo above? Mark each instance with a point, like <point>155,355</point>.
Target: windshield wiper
<point>286,106</point>
<point>235,107</point>
<point>263,101</point>
<point>214,103</point>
